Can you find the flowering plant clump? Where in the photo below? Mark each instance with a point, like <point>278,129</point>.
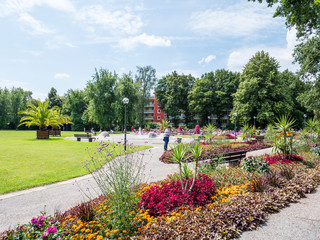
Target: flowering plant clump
<point>197,129</point>
<point>164,198</point>
<point>315,148</point>
<point>39,228</point>
<point>276,158</point>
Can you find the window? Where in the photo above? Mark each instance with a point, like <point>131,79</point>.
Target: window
<point>159,111</point>
<point>158,118</point>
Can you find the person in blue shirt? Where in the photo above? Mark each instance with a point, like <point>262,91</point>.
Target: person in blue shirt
<point>166,137</point>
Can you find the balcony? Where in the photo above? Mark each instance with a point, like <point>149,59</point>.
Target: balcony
<point>149,105</point>
<point>148,111</point>
<point>148,118</point>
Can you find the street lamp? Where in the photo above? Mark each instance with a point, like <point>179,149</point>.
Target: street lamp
<point>125,101</point>
<point>208,119</point>
<point>304,116</point>
<point>254,121</point>
<point>235,126</point>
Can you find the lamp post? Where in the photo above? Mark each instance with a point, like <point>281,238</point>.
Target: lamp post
<point>125,101</point>
<point>235,126</point>
<point>208,119</point>
<point>254,121</point>
<point>304,117</point>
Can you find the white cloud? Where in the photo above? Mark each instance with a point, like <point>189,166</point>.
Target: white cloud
<point>149,40</point>
<point>236,20</point>
<point>9,7</point>
<point>33,26</point>
<point>240,57</point>
<point>208,59</point>
<point>121,20</point>
<point>61,75</point>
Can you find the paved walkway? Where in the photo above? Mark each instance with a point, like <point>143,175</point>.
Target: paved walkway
<point>299,221</point>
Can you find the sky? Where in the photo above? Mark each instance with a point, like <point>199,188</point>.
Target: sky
<point>60,43</point>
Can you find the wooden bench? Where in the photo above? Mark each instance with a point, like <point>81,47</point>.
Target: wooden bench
<point>79,136</point>
<point>230,158</point>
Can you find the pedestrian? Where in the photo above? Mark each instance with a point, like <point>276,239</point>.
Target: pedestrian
<point>166,137</point>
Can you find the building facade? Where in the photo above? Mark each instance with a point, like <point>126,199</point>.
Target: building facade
<point>152,112</point>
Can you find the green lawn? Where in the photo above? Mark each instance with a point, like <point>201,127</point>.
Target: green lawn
<point>28,162</point>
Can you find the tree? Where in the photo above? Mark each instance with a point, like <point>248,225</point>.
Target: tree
<point>304,15</point>
<point>54,98</point>
<point>18,101</point>
<point>100,93</point>
<point>212,94</point>
<point>4,108</point>
<point>202,96</point>
<point>75,105</point>
<point>307,54</point>
<point>294,87</point>
<point>146,80</point>
<point>129,89</point>
<point>261,92</point>
<point>175,97</point>
<point>43,117</point>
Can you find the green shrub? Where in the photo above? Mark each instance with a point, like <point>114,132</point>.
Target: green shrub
<point>253,164</point>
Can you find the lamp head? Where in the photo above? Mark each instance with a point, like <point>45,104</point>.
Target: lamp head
<point>235,114</point>
<point>125,100</point>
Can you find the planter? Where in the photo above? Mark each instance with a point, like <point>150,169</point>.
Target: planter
<point>55,132</point>
<point>42,134</point>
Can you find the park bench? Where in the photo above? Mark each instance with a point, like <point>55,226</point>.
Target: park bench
<point>79,136</point>
<point>232,158</point>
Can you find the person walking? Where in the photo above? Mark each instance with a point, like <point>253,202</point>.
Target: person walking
<point>166,137</point>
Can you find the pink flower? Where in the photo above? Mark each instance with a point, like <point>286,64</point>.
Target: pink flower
<point>52,229</point>
<point>45,234</point>
<point>34,221</point>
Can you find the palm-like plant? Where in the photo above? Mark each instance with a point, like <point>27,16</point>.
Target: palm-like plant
<point>284,143</point>
<point>196,153</point>
<point>164,124</point>
<point>38,114</point>
<point>180,155</point>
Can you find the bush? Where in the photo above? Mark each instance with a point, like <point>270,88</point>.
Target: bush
<point>161,199</point>
<point>197,129</point>
<point>253,164</point>
<point>315,148</point>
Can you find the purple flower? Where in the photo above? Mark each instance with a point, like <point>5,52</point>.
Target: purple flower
<point>51,220</point>
<point>34,221</point>
<point>52,229</point>
<point>45,234</point>
<point>58,238</point>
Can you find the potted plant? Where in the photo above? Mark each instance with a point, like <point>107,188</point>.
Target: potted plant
<point>38,114</point>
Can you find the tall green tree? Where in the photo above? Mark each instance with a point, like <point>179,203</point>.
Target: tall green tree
<point>294,87</point>
<point>126,87</point>
<point>100,93</point>
<point>18,102</point>
<point>54,98</point>
<point>212,94</point>
<point>304,15</point>
<point>146,80</point>
<point>202,96</point>
<point>4,108</point>
<point>175,98</point>
<point>261,92</point>
<point>75,105</point>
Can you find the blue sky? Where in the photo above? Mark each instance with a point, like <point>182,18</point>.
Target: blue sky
<point>59,43</point>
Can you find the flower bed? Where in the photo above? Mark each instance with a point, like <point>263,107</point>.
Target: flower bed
<point>222,206</point>
<point>213,149</point>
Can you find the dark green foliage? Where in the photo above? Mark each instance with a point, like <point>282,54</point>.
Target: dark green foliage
<point>261,92</point>
<point>172,92</point>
